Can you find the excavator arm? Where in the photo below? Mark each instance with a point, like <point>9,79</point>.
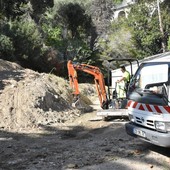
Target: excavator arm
<point>98,79</point>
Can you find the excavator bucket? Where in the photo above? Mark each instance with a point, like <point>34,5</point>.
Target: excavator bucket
<point>81,105</point>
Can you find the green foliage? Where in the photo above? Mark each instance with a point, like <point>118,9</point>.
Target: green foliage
<point>45,32</point>
<point>39,7</point>
<point>5,43</point>
<point>78,50</point>
<point>73,15</point>
<point>143,26</point>
<point>27,40</point>
<point>169,44</point>
<point>6,47</point>
<point>12,8</point>
<point>117,1</point>
<point>69,31</point>
<point>77,30</point>
<point>119,42</point>
<point>53,31</point>
<point>146,33</point>
<point>53,35</point>
<point>83,53</point>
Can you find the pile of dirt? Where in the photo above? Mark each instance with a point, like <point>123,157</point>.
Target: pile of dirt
<point>29,99</point>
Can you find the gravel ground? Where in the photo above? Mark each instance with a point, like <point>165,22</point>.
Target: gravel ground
<point>80,144</point>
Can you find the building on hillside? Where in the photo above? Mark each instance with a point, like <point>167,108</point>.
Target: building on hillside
<point>121,10</point>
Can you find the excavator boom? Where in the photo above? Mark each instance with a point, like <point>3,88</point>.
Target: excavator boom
<point>73,78</point>
<point>98,79</point>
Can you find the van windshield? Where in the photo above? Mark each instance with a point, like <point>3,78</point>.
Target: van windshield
<point>151,77</point>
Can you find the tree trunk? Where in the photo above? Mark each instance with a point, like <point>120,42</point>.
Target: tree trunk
<point>161,28</point>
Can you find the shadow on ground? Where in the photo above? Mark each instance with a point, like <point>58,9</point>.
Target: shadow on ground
<point>75,147</point>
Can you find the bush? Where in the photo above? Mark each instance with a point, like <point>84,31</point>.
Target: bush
<point>27,40</point>
<point>6,47</point>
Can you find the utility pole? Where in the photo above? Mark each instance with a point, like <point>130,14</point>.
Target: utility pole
<point>161,28</point>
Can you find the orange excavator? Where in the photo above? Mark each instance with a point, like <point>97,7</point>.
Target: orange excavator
<point>98,79</point>
<point>112,105</point>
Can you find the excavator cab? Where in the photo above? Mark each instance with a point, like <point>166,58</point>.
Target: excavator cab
<point>117,100</point>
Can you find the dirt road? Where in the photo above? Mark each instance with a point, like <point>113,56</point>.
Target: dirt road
<point>83,144</point>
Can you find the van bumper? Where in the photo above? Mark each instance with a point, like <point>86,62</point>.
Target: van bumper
<point>148,135</point>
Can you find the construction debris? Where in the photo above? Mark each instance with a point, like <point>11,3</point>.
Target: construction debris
<point>29,99</point>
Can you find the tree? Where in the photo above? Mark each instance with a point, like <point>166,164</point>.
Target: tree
<point>118,43</point>
<point>6,48</point>
<point>139,35</point>
<point>161,27</point>
<point>39,7</point>
<point>78,31</point>
<point>74,17</point>
<point>101,11</point>
<point>144,24</point>
<point>12,8</point>
<point>27,42</point>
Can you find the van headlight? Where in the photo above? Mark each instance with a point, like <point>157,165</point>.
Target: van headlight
<point>162,126</point>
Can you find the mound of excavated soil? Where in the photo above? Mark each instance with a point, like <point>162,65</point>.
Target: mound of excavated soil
<point>29,99</point>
